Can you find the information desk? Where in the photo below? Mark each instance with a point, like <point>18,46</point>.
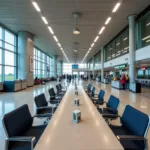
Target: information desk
<point>116,84</point>
<point>92,133</point>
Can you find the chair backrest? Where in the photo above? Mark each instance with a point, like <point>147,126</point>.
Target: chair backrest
<point>136,121</point>
<point>52,92</point>
<point>58,88</point>
<point>101,95</point>
<point>113,102</point>
<point>93,91</point>
<point>17,121</point>
<point>40,100</point>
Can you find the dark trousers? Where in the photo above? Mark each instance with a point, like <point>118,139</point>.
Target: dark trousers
<point>123,85</point>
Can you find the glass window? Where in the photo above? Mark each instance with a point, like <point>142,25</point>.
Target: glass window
<point>125,42</point>
<point>145,30</point>
<point>9,47</point>
<point>9,58</point>
<point>0,56</point>
<point>9,73</point>
<point>9,37</point>
<point>0,73</point>
<point>0,33</point>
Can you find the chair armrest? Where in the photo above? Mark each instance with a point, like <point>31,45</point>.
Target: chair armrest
<point>130,137</point>
<point>44,107</point>
<point>21,139</point>
<point>110,116</point>
<point>111,109</point>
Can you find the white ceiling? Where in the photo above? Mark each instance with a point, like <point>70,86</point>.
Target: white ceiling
<point>20,15</point>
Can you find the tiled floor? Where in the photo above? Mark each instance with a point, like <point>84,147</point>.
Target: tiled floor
<point>10,101</point>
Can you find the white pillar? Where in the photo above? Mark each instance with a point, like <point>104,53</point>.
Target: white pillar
<point>102,64</point>
<point>55,65</point>
<point>132,48</point>
<point>25,51</point>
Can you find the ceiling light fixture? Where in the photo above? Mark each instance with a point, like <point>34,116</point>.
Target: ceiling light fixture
<point>92,44</point>
<point>44,19</point>
<point>59,44</point>
<point>96,39</point>
<point>102,29</point>
<point>148,24</point>
<point>61,48</point>
<point>75,50</point>
<point>76,30</point>
<point>51,30</point>
<point>108,20</point>
<point>148,41</point>
<point>116,7</point>
<point>146,38</point>
<point>55,38</point>
<point>36,6</point>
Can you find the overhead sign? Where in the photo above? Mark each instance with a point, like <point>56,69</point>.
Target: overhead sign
<point>120,67</point>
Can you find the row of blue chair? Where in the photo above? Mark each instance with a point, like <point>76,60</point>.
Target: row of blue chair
<point>134,124</point>
<point>18,124</point>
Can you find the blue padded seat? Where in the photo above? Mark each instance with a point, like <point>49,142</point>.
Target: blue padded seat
<point>19,123</point>
<point>100,100</point>
<point>111,106</point>
<point>134,122</point>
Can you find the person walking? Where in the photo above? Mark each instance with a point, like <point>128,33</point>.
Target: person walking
<point>123,81</point>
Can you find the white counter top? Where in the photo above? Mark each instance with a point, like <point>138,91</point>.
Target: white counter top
<point>116,84</point>
<point>92,133</point>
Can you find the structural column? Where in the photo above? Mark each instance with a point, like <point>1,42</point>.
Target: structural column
<point>55,65</point>
<point>25,59</point>
<point>102,64</point>
<point>132,48</point>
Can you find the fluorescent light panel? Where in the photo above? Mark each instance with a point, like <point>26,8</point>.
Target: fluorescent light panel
<point>102,29</point>
<point>148,41</point>
<point>96,38</point>
<point>125,38</point>
<point>148,24</point>
<point>108,20</point>
<point>36,6</point>
<point>59,44</point>
<point>116,7</point>
<point>92,45</point>
<point>146,38</point>
<point>44,19</point>
<point>55,38</point>
<point>51,30</point>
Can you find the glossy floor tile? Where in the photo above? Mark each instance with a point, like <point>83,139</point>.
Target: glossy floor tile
<point>10,101</point>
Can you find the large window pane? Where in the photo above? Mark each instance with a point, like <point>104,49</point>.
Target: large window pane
<point>9,47</point>
<point>0,56</point>
<point>9,38</point>
<point>9,58</point>
<point>0,33</point>
<point>9,73</point>
<point>0,73</point>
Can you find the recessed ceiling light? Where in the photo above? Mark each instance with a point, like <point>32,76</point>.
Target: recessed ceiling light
<point>51,30</point>
<point>55,38</point>
<point>75,50</point>
<point>61,48</point>
<point>59,44</point>
<point>148,24</point>
<point>36,6</point>
<point>108,20</point>
<point>92,45</point>
<point>96,38</point>
<point>44,19</point>
<point>145,38</point>
<point>116,7</point>
<point>90,48</point>
<point>102,29</point>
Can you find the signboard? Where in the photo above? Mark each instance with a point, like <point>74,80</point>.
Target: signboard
<point>120,67</point>
<point>75,66</point>
<point>31,64</point>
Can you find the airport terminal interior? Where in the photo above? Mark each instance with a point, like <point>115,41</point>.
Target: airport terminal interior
<point>74,74</point>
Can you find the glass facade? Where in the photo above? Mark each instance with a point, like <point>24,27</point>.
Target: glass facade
<point>143,31</point>
<point>117,47</point>
<point>8,55</point>
<point>90,64</point>
<point>97,60</point>
<point>42,64</point>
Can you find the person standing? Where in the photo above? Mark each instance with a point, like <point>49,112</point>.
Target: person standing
<point>123,81</point>
<point>127,82</point>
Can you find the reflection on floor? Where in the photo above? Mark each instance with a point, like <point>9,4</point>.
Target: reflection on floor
<point>10,101</point>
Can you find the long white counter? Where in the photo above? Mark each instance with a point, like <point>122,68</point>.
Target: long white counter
<point>116,84</point>
<point>92,133</point>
